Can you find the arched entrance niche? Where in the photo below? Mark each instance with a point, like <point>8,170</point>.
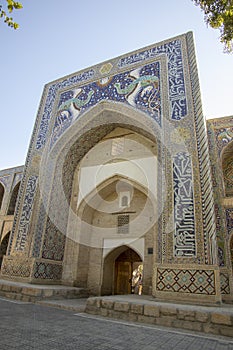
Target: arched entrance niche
<point>114,194</point>
<point>3,247</point>
<point>103,127</point>
<point>102,224</point>
<point>62,159</point>
<point>227,169</point>
<point>118,269</point>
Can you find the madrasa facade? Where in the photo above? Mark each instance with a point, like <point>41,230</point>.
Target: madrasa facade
<point>124,175</point>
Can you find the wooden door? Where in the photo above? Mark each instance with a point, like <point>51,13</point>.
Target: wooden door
<point>123,276</point>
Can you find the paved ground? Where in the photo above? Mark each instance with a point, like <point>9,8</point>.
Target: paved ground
<point>29,326</point>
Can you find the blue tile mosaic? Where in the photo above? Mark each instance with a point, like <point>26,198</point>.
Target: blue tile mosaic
<point>184,236</point>
<point>173,51</point>
<point>177,94</point>
<point>39,232</point>
<point>26,213</point>
<point>52,92</point>
<point>139,88</point>
<point>5,180</point>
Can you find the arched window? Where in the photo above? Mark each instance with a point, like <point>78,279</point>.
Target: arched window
<point>1,194</point>
<point>12,204</point>
<point>124,201</point>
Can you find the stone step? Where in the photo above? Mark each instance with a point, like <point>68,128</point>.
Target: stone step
<point>209,319</point>
<point>32,292</point>
<point>76,305</point>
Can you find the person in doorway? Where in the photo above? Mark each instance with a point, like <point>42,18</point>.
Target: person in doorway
<point>134,281</point>
<point>140,284</point>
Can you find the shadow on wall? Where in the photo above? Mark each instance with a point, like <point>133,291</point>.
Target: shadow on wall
<point>3,247</point>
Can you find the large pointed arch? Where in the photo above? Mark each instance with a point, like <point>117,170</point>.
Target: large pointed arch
<point>58,163</point>
<point>108,182</point>
<point>87,131</point>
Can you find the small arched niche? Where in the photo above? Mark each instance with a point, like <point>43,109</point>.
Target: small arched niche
<point>2,190</point>
<point>13,200</point>
<point>3,247</point>
<point>227,169</point>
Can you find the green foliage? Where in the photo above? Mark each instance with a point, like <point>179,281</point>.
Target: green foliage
<point>219,14</point>
<point>11,5</point>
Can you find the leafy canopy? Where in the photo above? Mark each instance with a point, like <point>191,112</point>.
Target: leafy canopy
<point>11,5</point>
<point>219,14</point>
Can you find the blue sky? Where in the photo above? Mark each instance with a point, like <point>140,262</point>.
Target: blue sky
<point>58,37</point>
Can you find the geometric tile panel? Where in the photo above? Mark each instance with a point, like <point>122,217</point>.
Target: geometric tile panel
<point>15,268</point>
<point>47,271</point>
<point>224,283</point>
<point>186,281</point>
<point>54,243</point>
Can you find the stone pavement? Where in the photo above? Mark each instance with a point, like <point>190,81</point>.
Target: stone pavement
<point>30,326</point>
<point>147,310</point>
<point>141,309</point>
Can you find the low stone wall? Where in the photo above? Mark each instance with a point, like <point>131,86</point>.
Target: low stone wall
<point>214,320</point>
<point>31,293</point>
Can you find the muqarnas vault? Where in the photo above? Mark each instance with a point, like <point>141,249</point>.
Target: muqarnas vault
<point>124,174</point>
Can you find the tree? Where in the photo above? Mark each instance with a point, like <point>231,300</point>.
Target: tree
<point>219,14</point>
<point>11,5</point>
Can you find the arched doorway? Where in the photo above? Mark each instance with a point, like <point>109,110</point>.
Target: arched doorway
<point>126,263</point>
<point>118,269</point>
